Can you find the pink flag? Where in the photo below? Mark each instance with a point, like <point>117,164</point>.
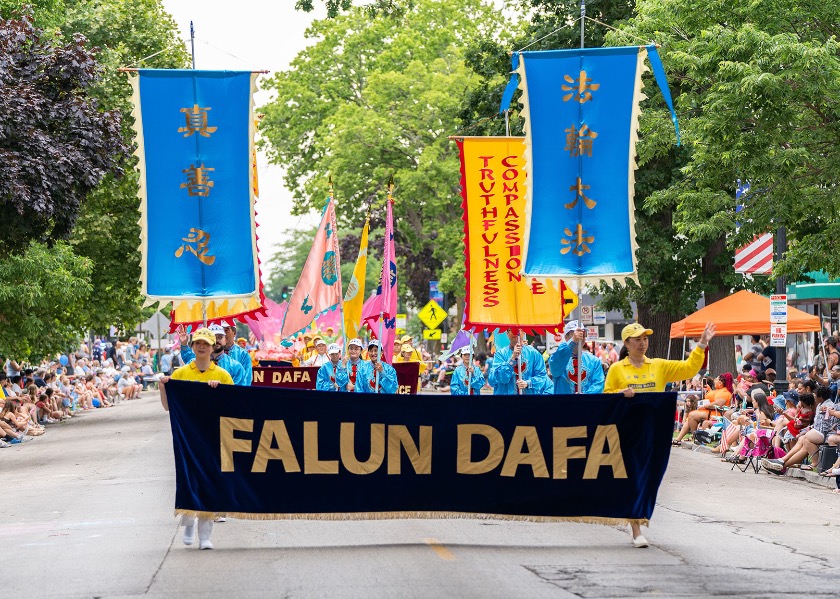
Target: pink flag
<point>266,327</point>
<point>319,286</point>
<point>384,303</point>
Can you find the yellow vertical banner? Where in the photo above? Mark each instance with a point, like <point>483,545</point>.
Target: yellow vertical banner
<point>354,297</point>
<point>493,186</point>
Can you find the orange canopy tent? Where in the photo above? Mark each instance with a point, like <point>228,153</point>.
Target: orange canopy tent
<point>743,313</point>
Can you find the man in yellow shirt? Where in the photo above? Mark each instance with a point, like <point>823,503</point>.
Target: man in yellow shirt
<point>202,370</point>
<point>637,372</point>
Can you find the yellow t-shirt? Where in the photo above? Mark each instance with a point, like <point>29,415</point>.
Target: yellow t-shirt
<point>190,372</point>
<point>654,373</point>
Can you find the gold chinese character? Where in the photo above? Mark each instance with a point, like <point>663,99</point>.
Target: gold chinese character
<point>201,241</point>
<point>578,189</point>
<point>577,244</point>
<point>198,183</point>
<point>196,122</point>
<point>580,91</point>
<point>580,142</point>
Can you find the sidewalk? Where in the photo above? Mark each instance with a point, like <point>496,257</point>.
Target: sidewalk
<point>811,477</point>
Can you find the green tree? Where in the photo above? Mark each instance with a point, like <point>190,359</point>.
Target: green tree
<point>375,97</point>
<point>55,143</point>
<point>44,293</point>
<point>754,86</point>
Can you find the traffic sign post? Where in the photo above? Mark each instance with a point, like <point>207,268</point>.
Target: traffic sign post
<point>778,335</point>
<point>586,314</point>
<point>778,308</point>
<point>432,315</point>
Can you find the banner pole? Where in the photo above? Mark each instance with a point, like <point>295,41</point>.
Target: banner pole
<point>582,20</point>
<point>338,268</point>
<point>519,361</point>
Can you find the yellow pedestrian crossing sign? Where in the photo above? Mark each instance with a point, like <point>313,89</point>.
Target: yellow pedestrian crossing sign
<point>431,334</point>
<point>432,315</point>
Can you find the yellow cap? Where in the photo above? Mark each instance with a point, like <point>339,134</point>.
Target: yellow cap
<point>204,334</point>
<point>634,330</point>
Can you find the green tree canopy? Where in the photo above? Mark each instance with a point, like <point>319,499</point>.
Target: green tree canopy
<point>55,143</point>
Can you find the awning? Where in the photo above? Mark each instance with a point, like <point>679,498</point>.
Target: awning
<point>822,288</point>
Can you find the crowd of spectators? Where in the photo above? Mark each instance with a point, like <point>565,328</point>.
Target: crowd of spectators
<point>742,416</point>
<point>100,375</point>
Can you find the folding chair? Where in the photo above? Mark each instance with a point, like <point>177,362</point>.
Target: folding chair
<point>756,450</point>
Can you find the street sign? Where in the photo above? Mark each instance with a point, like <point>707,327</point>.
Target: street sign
<point>599,317</point>
<point>402,319</point>
<point>778,308</point>
<point>432,334</point>
<point>592,333</point>
<point>778,335</point>
<point>432,315</point>
<point>586,314</point>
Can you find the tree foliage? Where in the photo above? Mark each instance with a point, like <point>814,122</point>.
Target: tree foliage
<point>375,97</point>
<point>55,143</point>
<point>44,293</point>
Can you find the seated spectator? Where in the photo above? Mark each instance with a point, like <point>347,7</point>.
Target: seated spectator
<point>808,439</point>
<point>750,422</point>
<point>719,397</point>
<point>127,386</point>
<point>788,427</point>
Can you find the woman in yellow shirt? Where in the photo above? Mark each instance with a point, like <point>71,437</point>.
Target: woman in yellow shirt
<point>637,372</point>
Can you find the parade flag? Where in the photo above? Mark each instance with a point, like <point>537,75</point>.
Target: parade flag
<point>319,286</point>
<point>383,307</point>
<point>756,257</point>
<point>196,161</point>
<point>581,113</point>
<point>354,297</point>
<point>493,187</point>
<point>263,453</point>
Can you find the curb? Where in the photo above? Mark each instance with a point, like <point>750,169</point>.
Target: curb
<point>811,477</point>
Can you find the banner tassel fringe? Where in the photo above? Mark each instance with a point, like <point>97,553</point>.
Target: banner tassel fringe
<point>414,516</point>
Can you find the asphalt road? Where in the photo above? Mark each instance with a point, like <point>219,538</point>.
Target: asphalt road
<point>87,511</point>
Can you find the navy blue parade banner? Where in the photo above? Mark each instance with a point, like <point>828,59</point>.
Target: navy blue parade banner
<point>305,377</point>
<point>266,453</point>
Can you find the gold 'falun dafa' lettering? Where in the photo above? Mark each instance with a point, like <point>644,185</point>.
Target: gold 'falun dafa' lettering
<point>580,89</point>
<point>198,183</point>
<point>196,118</point>
<point>578,242</point>
<point>579,141</point>
<point>197,243</point>
<point>578,189</point>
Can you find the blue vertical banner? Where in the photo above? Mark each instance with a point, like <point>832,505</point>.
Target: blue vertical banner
<point>581,111</point>
<point>195,132</point>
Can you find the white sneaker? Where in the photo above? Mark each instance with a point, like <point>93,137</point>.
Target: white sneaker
<point>189,534</point>
<point>640,542</point>
<point>205,529</point>
<point>220,519</point>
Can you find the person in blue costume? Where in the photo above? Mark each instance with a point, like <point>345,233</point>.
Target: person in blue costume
<point>366,379</point>
<point>507,378</point>
<point>564,367</point>
<point>219,357</point>
<point>236,353</point>
<point>466,380</point>
<point>353,362</point>
<point>332,376</point>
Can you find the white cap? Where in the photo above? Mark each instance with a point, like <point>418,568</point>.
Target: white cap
<point>216,329</point>
<point>465,350</point>
<point>374,342</point>
<point>571,326</point>
<point>333,348</point>
<point>355,341</point>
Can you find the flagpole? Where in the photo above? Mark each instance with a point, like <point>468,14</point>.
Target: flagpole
<point>519,361</point>
<point>385,273</point>
<point>338,268</point>
<point>580,164</point>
